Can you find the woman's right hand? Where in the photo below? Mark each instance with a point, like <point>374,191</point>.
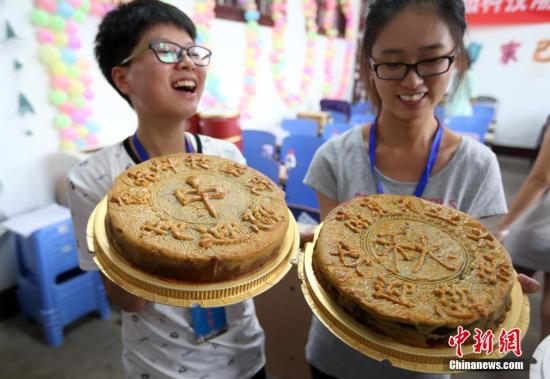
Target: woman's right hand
<point>528,285</point>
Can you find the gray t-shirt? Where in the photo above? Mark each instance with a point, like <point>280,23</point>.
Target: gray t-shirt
<point>340,169</point>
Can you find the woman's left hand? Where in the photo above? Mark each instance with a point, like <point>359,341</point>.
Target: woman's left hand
<point>528,285</point>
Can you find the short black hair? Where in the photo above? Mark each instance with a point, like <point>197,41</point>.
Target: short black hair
<point>123,27</point>
<point>381,12</point>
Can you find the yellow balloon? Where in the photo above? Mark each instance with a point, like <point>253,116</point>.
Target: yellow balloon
<point>68,145</point>
<point>61,39</point>
<point>82,131</point>
<point>77,88</point>
<point>48,54</point>
<point>59,69</point>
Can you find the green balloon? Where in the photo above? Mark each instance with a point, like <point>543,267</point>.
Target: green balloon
<point>40,17</point>
<point>57,23</point>
<point>85,6</point>
<point>79,102</point>
<point>73,72</point>
<point>58,97</point>
<point>62,121</point>
<point>79,15</point>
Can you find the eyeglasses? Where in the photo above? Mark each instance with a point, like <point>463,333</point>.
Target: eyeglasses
<point>424,68</point>
<point>169,52</point>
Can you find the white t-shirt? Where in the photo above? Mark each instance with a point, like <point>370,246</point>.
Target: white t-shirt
<point>159,342</point>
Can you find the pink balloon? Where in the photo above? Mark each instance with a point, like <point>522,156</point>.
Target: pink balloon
<point>74,41</point>
<point>91,139</point>
<point>87,111</point>
<point>61,83</point>
<point>45,36</point>
<point>48,5</point>
<point>88,94</point>
<point>96,9</point>
<point>68,134</point>
<point>66,108</point>
<point>78,116</point>
<point>86,79</point>
<point>71,27</point>
<point>75,3</point>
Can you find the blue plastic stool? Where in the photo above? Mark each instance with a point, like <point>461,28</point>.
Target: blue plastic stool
<point>51,288</point>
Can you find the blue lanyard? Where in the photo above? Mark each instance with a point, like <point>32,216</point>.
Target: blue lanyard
<point>421,186</point>
<point>143,156</point>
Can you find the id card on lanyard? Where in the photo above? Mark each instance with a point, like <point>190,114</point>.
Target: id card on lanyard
<point>207,322</point>
<point>432,158</point>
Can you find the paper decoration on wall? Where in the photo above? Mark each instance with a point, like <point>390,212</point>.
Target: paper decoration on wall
<point>331,32</point>
<point>279,14</point>
<point>17,65</point>
<point>474,50</point>
<point>252,55</point>
<point>10,33</point>
<point>57,26</point>
<point>508,51</point>
<point>25,105</point>
<point>203,17</point>
<point>542,53</point>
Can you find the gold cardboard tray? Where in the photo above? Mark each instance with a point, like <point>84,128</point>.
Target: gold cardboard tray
<point>158,290</point>
<point>380,347</point>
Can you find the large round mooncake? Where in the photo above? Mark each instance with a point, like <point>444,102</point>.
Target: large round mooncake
<point>196,218</point>
<point>413,270</point>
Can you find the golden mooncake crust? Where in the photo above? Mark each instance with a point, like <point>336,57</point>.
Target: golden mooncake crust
<point>196,218</point>
<point>413,269</point>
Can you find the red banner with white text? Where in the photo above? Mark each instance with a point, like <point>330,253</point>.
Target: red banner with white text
<point>502,12</point>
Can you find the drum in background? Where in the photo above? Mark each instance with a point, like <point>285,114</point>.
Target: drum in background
<point>222,126</point>
<point>193,124</point>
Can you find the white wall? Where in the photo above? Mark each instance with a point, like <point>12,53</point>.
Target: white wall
<point>522,87</point>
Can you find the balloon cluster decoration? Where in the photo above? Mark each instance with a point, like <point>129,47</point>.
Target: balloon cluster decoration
<point>203,17</point>
<point>252,55</point>
<point>329,23</point>
<point>57,26</point>
<point>278,11</point>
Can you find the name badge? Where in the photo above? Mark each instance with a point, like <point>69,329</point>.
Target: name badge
<point>208,322</point>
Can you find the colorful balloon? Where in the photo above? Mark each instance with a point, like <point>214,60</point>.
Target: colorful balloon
<point>66,145</point>
<point>57,97</point>
<point>47,5</point>
<point>65,10</point>
<point>68,134</point>
<point>45,36</point>
<point>61,121</point>
<point>40,17</point>
<point>61,83</point>
<point>92,140</point>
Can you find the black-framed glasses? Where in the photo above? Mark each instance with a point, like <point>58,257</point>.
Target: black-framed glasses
<point>170,52</point>
<point>424,68</point>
